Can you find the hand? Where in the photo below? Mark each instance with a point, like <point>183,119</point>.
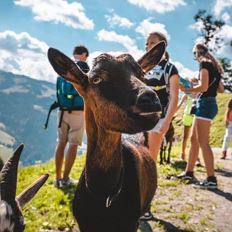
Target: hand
<point>183,89</point>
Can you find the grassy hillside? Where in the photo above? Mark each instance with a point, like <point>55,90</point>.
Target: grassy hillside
<point>218,126</point>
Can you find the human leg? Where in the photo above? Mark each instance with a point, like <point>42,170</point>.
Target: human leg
<point>194,149</point>
<point>203,128</point>
<point>59,158</point>
<point>184,141</point>
<point>69,160</point>
<point>75,135</point>
<point>226,140</point>
<point>154,142</point>
<point>62,137</point>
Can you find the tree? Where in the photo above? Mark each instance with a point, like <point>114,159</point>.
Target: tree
<point>209,30</point>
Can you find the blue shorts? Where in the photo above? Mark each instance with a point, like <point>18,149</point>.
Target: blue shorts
<point>206,108</point>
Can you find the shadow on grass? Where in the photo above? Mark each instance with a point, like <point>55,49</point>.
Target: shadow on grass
<point>179,164</point>
<point>224,172</point>
<point>168,227</point>
<point>221,193</point>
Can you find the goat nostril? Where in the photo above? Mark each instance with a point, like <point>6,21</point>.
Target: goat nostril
<point>147,98</point>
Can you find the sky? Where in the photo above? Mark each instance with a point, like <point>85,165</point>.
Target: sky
<point>29,27</point>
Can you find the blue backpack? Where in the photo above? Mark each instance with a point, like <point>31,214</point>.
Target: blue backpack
<point>68,99</point>
<point>67,96</point>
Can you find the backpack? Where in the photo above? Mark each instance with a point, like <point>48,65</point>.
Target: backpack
<point>68,99</point>
<point>67,96</point>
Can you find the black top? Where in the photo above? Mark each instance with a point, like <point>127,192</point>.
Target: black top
<point>156,79</point>
<point>83,66</point>
<point>214,79</point>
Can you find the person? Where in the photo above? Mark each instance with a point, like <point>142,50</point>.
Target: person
<point>164,80</point>
<point>71,129</point>
<point>228,132</point>
<point>187,121</point>
<point>209,84</point>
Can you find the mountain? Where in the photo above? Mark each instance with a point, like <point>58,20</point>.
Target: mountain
<point>23,109</point>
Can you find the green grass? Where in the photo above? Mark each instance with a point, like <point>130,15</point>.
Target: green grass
<point>50,210</point>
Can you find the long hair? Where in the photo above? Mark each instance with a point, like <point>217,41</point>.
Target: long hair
<point>202,53</point>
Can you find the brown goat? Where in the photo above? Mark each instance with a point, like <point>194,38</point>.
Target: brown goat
<point>11,218</point>
<point>166,146</point>
<point>119,179</point>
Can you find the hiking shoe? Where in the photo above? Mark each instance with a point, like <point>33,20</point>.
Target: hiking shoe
<point>147,216</point>
<point>58,183</point>
<point>188,176</point>
<point>209,183</point>
<point>69,181</point>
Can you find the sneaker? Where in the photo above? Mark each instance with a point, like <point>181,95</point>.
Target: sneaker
<point>147,216</point>
<point>58,183</point>
<point>186,176</point>
<point>209,183</point>
<point>69,181</point>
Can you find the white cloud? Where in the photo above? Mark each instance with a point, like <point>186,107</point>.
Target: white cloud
<point>226,35</point>
<point>225,51</point>
<point>124,40</point>
<point>146,27</point>
<point>116,20</point>
<point>185,72</point>
<point>23,54</point>
<point>221,5</point>
<point>159,6</point>
<point>59,11</point>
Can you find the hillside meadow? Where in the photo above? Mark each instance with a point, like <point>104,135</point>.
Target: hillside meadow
<point>50,210</point>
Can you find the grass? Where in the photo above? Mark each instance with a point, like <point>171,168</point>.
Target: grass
<point>51,210</point>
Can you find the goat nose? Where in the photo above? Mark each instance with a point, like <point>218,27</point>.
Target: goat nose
<point>148,100</point>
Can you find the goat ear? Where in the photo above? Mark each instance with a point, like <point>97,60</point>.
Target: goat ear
<point>8,176</point>
<point>66,68</point>
<point>30,192</point>
<point>150,59</point>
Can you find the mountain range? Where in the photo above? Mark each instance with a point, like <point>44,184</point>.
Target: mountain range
<point>24,106</point>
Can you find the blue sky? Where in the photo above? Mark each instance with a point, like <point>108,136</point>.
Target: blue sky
<point>29,27</point>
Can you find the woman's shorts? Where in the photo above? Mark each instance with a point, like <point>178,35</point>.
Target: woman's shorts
<point>206,108</point>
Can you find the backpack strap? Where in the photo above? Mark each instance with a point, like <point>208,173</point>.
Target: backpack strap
<point>53,106</point>
<point>167,71</point>
<point>61,118</point>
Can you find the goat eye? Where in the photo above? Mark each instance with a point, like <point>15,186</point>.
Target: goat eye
<point>96,80</point>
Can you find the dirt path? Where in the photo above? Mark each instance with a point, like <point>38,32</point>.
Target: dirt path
<point>182,207</point>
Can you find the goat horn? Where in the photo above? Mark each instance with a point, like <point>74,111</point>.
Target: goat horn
<point>30,191</point>
<point>8,176</point>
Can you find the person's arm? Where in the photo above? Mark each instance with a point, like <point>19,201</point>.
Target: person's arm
<point>203,84</point>
<point>180,103</point>
<point>174,91</point>
<point>220,88</point>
